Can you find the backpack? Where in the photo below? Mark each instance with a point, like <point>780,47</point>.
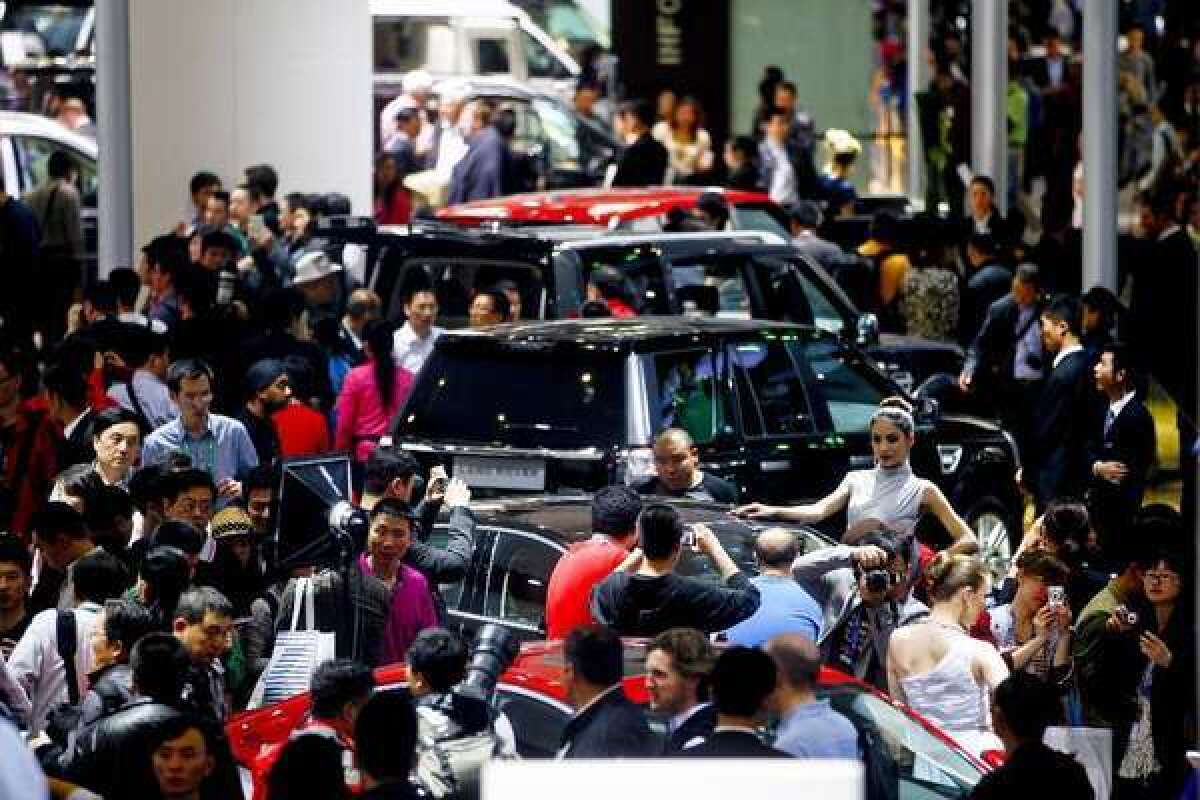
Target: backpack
<point>449,761</point>
<point>64,718</point>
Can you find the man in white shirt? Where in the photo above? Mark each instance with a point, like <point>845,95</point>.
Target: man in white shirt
<point>146,392</point>
<point>46,663</point>
<point>778,171</point>
<point>413,343</point>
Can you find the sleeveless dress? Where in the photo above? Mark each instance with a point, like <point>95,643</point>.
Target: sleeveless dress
<point>949,697</point>
<point>892,496</point>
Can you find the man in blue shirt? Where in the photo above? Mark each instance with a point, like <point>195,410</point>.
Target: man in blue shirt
<point>786,607</point>
<point>808,727</point>
<point>217,444</point>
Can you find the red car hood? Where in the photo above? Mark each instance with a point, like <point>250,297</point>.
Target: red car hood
<point>588,206</point>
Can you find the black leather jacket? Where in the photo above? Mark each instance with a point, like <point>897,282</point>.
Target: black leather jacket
<point>112,756</point>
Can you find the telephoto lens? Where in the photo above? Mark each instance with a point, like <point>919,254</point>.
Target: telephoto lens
<point>495,648</point>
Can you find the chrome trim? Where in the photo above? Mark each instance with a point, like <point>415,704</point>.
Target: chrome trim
<point>497,621</point>
<point>1016,451</point>
<point>775,466</point>
<point>637,416</point>
<point>582,454</point>
<point>950,457</point>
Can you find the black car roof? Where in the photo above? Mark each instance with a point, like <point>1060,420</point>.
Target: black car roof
<point>634,333</point>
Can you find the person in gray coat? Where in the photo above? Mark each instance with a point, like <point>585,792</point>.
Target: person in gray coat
<point>865,592</point>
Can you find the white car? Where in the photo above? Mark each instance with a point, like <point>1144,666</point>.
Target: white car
<point>26,142</point>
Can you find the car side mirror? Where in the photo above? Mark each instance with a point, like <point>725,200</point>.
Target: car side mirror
<point>867,329</point>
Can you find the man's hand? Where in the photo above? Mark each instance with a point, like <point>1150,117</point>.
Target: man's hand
<point>707,541</point>
<point>435,491</point>
<point>633,561</point>
<point>457,493</point>
<point>754,511</point>
<point>229,488</point>
<point>1111,471</point>
<point>869,556</point>
<point>964,382</point>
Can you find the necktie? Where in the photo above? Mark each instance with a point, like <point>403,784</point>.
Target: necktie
<point>1109,419</point>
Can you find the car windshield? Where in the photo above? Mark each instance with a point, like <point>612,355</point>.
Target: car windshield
<point>851,391</point>
<point>58,26</point>
<point>518,398</point>
<point>560,129</point>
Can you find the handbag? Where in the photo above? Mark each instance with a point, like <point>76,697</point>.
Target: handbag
<point>297,652</point>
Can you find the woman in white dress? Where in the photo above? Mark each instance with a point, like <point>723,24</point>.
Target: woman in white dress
<point>937,668</point>
<point>888,495</point>
<point>689,147</point>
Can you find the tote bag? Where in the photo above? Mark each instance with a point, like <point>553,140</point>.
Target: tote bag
<point>298,651</point>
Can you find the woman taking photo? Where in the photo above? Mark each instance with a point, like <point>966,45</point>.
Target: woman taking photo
<point>937,668</point>
<point>1033,632</point>
<point>371,396</point>
<point>889,495</point>
<point>689,147</point>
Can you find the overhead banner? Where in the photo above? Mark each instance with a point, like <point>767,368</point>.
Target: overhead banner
<point>681,45</point>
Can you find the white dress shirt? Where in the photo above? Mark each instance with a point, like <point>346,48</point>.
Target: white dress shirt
<point>38,668</point>
<point>409,351</point>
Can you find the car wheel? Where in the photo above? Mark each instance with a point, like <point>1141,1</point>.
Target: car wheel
<point>993,527</point>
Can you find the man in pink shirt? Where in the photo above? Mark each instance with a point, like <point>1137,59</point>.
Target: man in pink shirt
<point>388,538</point>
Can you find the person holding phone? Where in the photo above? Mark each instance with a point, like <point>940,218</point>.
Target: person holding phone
<point>1033,632</point>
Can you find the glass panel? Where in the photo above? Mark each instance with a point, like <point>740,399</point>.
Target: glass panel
<point>717,286</point>
<point>560,129</point>
<point>516,585</point>
<point>491,56</point>
<point>792,295</point>
<point>643,271</point>
<point>777,385</point>
<point>405,43</point>
<point>842,382</point>
<point>755,218</point>
<point>687,392</point>
<point>538,726</point>
<point>540,61</point>
<point>523,399</point>
<point>33,156</point>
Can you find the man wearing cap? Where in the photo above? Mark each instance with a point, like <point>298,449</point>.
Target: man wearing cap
<point>268,390</point>
<point>319,279</point>
<point>235,570</point>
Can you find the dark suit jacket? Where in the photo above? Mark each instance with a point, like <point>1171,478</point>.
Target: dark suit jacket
<point>612,727</point>
<point>1059,432</point>
<point>991,353</point>
<point>77,448</point>
<point>698,726</point>
<point>1163,308</point>
<point>733,744</point>
<point>644,163</point>
<point>1131,441</point>
<point>1035,770</point>
<point>990,283</point>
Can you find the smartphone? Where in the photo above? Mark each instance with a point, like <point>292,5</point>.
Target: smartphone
<point>689,537</point>
<point>255,227</point>
<point>1056,596</point>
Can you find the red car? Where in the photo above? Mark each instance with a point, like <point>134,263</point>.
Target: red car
<point>643,209</point>
<point>906,756</point>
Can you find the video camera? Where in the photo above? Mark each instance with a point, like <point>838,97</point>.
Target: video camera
<point>455,731</point>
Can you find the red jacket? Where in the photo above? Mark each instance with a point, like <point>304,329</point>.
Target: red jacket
<point>302,430</point>
<point>31,461</point>
<point>569,595</point>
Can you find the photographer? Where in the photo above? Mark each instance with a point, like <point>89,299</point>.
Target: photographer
<point>866,593</point>
<point>644,596</point>
<point>392,474</point>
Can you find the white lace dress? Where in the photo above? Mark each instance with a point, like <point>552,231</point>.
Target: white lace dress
<point>949,696</point>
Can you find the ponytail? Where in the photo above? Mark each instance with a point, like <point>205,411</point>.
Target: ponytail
<point>378,337</point>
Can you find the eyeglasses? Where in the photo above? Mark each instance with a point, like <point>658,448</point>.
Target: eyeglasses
<point>1161,577</point>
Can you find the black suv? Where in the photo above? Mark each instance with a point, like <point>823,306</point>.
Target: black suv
<point>781,410</point>
<point>745,274</point>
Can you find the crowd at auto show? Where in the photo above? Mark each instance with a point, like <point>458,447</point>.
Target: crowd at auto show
<point>231,567</point>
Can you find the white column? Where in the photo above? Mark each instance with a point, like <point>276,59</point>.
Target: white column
<point>114,137</point>
<point>918,81</point>
<point>1100,145</point>
<point>989,87</point>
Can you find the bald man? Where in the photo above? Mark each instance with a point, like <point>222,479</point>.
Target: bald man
<point>808,727</point>
<point>678,464</point>
<point>786,607</point>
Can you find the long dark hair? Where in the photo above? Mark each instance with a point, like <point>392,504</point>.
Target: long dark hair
<point>377,336</point>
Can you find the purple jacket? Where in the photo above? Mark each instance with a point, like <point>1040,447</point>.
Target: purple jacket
<point>410,613</point>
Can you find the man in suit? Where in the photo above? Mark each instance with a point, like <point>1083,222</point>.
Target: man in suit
<point>644,162</point>
<point>1058,434</point>
<point>742,681</point>
<point>987,281</point>
<point>678,663</point>
<point>983,216</point>
<point>606,724</point>
<point>1122,449</point>
<point>66,395</point>
<point>1003,369</point>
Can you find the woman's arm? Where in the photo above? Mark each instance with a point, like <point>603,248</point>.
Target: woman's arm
<point>806,514</point>
<point>963,539</point>
<point>895,686</point>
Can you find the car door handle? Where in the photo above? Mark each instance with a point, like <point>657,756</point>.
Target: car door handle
<point>775,466</point>
<point>862,462</point>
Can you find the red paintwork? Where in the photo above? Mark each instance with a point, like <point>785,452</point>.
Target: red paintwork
<point>588,206</point>
<point>538,668</point>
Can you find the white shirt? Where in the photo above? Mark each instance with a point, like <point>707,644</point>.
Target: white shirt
<point>1066,351</point>
<point>409,351</point>
<point>38,668</point>
<point>783,177</point>
<point>1118,406</point>
<point>69,429</point>
<point>452,146</point>
<point>152,394</point>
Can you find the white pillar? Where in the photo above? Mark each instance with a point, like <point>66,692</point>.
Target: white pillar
<point>989,88</point>
<point>114,137</point>
<point>1100,145</point>
<point>918,81</point>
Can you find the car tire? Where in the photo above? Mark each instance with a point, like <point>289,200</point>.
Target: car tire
<point>998,533</point>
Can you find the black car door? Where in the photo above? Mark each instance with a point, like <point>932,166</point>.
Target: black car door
<point>515,584</point>
<point>790,450</point>
<point>464,600</point>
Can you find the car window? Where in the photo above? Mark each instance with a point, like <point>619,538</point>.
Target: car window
<point>518,574</point>
<point>759,218</point>
<point>910,762</point>
<point>529,127</point>
<point>716,286</point>
<point>451,592</point>
<point>773,396</point>
<point>843,383</point>
<point>33,157</point>
<point>406,43</point>
<point>541,62</point>
<point>491,56</point>
<point>457,280</point>
<point>793,296</point>
<point>538,725</point>
<point>519,398</point>
<point>643,271</point>
<point>686,390</point>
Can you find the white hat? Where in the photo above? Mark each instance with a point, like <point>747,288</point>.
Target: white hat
<point>314,266</point>
<point>840,142</point>
<point>417,81</point>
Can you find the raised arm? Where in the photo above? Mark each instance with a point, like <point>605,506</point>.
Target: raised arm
<point>962,537</point>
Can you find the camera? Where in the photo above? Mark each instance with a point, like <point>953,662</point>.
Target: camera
<point>689,537</point>
<point>1056,596</point>
<point>1128,618</point>
<point>455,735</point>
